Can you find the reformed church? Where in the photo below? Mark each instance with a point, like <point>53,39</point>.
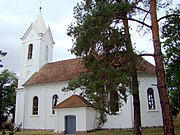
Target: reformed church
<point>42,105</point>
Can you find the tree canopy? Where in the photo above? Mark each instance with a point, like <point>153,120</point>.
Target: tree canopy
<point>171,35</point>
<point>99,40</point>
<point>97,20</point>
<point>8,84</point>
<point>2,54</point>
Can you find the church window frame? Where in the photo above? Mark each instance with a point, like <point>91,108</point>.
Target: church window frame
<point>46,53</point>
<point>151,99</point>
<point>35,107</point>
<point>54,102</point>
<point>30,51</point>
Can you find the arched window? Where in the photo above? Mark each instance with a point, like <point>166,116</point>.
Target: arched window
<point>54,102</point>
<point>30,51</point>
<point>35,106</point>
<point>114,101</point>
<point>46,53</point>
<point>150,97</point>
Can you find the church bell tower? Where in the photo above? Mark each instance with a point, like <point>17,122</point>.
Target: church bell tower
<point>37,49</point>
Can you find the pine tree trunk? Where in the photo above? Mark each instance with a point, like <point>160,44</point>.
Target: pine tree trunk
<point>135,85</point>
<point>1,119</point>
<point>160,73</point>
<point>136,100</point>
<point>1,113</point>
<point>137,117</point>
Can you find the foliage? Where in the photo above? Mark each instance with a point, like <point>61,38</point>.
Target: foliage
<point>3,132</point>
<point>8,125</point>
<point>8,84</point>
<point>99,40</point>
<point>171,35</point>
<point>174,96</point>
<point>2,54</point>
<point>102,88</point>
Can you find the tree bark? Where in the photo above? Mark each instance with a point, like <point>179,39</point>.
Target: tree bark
<point>160,73</point>
<point>135,85</point>
<point>1,112</point>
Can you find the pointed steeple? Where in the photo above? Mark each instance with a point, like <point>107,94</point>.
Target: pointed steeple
<point>33,59</point>
<point>39,23</point>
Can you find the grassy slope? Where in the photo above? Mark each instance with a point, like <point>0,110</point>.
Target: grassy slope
<point>146,131</point>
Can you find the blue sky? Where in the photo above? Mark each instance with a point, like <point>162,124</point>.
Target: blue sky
<point>17,15</point>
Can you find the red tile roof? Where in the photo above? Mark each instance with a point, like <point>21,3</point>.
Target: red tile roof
<point>144,67</point>
<point>57,71</point>
<point>69,69</point>
<point>74,101</point>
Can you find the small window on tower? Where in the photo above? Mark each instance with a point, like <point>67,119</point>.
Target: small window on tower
<point>30,51</point>
<point>46,53</point>
<point>150,97</point>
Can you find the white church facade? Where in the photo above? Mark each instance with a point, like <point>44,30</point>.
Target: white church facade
<point>42,105</point>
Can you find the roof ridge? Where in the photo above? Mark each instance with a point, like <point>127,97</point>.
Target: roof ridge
<point>63,60</point>
<point>74,101</point>
<point>81,99</point>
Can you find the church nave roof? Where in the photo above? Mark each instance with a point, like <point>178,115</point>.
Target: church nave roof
<point>69,69</point>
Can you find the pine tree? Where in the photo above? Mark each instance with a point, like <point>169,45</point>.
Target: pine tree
<point>105,46</point>
<point>171,44</point>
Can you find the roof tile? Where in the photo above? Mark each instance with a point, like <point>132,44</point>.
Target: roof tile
<point>57,71</point>
<point>69,69</point>
<point>74,101</point>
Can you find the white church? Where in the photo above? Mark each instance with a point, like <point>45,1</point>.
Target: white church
<point>42,105</point>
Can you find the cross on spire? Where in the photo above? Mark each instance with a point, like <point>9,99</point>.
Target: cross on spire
<point>40,7</point>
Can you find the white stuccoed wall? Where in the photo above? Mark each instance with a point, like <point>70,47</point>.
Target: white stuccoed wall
<point>45,119</point>
<point>29,66</point>
<point>123,119</point>
<point>91,119</point>
<point>149,118</point>
<point>19,117</point>
<point>85,119</point>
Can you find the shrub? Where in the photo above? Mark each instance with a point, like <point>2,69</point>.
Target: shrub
<point>8,125</point>
<point>3,132</point>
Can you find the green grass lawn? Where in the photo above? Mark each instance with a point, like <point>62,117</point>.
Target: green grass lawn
<point>145,131</point>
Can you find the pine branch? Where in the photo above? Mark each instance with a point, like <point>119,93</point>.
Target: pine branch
<point>167,16</point>
<point>132,19</point>
<point>143,23</point>
<point>143,9</point>
<point>146,54</point>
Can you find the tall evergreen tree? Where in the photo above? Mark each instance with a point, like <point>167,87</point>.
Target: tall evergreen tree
<point>149,8</point>
<point>171,35</point>
<point>100,39</point>
<point>120,9</point>
<point>133,71</point>
<point>160,73</point>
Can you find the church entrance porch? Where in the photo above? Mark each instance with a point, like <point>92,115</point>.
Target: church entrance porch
<point>74,114</point>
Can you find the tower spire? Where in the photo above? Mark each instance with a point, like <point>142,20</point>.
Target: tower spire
<point>39,22</point>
